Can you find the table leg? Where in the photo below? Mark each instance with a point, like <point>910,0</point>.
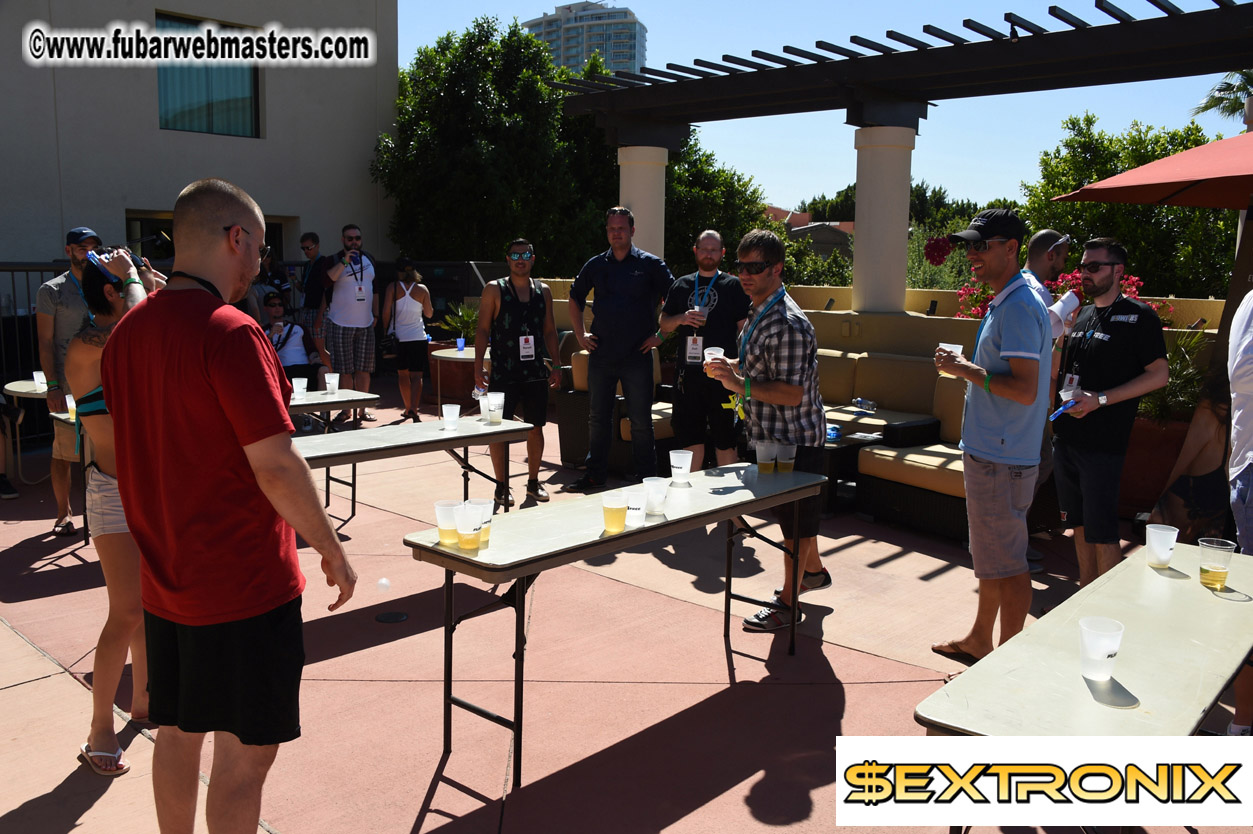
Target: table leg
<point>726,603</point>
<point>354,489</point>
<point>448,629</point>
<point>438,405</point>
<point>506,473</point>
<point>519,657</point>
<point>465,474</point>
<point>796,566</point>
<point>327,488</point>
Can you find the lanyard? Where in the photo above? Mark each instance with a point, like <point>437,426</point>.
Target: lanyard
<point>701,299</point>
<point>91,317</point>
<point>358,276</point>
<point>748,331</point>
<point>202,282</point>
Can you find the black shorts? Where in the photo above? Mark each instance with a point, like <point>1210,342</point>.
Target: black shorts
<point>241,677</point>
<point>808,459</point>
<point>412,356</point>
<point>309,372</point>
<point>1087,490</point>
<point>699,414</point>
<point>532,396</point>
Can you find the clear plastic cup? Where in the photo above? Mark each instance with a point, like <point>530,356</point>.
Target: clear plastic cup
<point>680,465</point>
<point>1099,639</point>
<point>1215,561</point>
<point>636,501</point>
<point>615,507</point>
<point>446,522</point>
<point>469,526</point>
<point>495,406</point>
<point>332,383</point>
<point>657,489</point>
<point>486,507</point>
<point>71,406</point>
<point>767,453</point>
<point>786,459</point>
<point>1160,543</point>
<point>299,387</point>
<point>451,412</point>
<point>710,354</point>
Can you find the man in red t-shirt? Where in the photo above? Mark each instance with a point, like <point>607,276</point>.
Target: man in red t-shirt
<point>212,488</point>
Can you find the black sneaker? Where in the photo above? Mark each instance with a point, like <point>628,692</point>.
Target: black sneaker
<point>811,582</point>
<point>504,498</point>
<point>768,619</point>
<point>536,490</point>
<point>585,484</point>
<point>6,489</point>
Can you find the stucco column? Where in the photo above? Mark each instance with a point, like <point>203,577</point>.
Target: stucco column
<point>642,189</point>
<point>882,218</point>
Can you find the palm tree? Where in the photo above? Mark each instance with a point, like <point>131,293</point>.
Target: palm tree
<point>1227,97</point>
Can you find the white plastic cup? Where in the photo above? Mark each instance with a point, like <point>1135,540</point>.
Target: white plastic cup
<point>680,465</point>
<point>469,526</point>
<point>495,406</point>
<point>486,507</point>
<point>299,387</point>
<point>786,459</point>
<point>41,381</point>
<point>1099,639</point>
<point>615,507</point>
<point>711,352</point>
<point>332,383</point>
<point>451,412</point>
<point>636,501</point>
<point>952,348</point>
<point>446,521</point>
<point>1064,306</point>
<point>767,453</point>
<point>657,489</point>
<point>1160,539</point>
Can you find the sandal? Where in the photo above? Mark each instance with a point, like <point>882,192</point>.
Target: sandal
<point>64,528</point>
<point>86,754</point>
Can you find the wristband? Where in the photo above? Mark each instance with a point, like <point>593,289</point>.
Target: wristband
<point>748,388</point>
<point>1057,348</point>
<point>987,382</point>
<point>130,281</point>
<point>52,385</point>
<point>344,261</point>
<point>660,335</point>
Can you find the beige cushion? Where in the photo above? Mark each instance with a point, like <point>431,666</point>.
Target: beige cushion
<point>937,468</point>
<point>950,403</point>
<point>836,372</point>
<point>661,423</point>
<point>578,369</point>
<point>900,383</point>
<point>850,423</point>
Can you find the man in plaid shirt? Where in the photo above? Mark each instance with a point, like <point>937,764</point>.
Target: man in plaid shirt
<point>777,376</point>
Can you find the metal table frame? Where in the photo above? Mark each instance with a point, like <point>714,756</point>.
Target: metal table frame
<point>773,490</point>
<point>24,389</point>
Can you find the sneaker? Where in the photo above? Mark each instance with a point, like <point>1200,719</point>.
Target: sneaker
<point>585,484</point>
<point>768,619</point>
<point>811,582</point>
<point>6,488</point>
<point>536,490</point>
<point>504,498</point>
<point>1234,729</point>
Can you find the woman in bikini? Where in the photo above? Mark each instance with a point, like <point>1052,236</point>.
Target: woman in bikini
<point>110,287</point>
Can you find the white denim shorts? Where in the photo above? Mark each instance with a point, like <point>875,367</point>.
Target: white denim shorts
<point>104,504</point>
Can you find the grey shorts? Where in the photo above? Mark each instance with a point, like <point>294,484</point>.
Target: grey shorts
<point>998,496</point>
<point>104,504</point>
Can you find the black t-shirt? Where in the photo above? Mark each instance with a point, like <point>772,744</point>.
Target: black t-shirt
<point>627,292</point>
<point>1106,348</point>
<point>728,305</point>
<point>315,280</point>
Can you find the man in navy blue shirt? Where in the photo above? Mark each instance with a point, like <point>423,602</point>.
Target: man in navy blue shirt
<point>629,284</point>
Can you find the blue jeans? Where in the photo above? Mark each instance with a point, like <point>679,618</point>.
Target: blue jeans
<point>1242,508</point>
<point>635,372</point>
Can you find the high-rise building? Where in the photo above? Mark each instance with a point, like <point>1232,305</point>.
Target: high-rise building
<point>573,32</point>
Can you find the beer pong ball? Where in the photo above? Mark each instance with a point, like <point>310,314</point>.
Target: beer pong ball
<point>385,584</point>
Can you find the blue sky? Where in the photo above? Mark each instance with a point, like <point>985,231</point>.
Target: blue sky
<point>978,149</point>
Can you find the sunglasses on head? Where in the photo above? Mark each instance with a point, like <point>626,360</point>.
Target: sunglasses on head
<point>1063,241</point>
<point>523,256</point>
<point>752,267</point>
<point>99,263</point>
<point>982,245</point>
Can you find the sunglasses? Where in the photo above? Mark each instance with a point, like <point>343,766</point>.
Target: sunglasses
<point>1064,241</point>
<point>982,245</point>
<point>1093,267</point>
<point>262,252</point>
<point>523,256</point>
<point>308,248</point>
<point>99,263</point>
<point>752,267</point>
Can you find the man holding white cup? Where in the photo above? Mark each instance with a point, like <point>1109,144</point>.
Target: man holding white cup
<point>707,309</point>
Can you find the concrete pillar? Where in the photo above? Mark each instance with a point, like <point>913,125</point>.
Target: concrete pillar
<point>642,189</point>
<point>882,218</point>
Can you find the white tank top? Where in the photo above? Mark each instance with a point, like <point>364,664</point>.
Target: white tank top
<point>407,324</point>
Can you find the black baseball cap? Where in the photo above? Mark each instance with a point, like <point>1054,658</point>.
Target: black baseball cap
<point>992,223</point>
<point>271,296</point>
<point>78,234</point>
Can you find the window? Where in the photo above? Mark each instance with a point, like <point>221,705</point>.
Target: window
<point>215,99</point>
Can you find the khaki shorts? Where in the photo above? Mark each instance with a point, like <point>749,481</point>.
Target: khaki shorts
<point>998,496</point>
<point>64,438</point>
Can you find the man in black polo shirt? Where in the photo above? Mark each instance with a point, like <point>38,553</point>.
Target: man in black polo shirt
<point>707,309</point>
<point>629,283</point>
<point>1113,355</point>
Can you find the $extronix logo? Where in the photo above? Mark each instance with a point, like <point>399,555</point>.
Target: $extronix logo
<point>874,783</point>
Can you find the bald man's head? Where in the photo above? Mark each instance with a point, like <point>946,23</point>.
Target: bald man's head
<point>219,230</point>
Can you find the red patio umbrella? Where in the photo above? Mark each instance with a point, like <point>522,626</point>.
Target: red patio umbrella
<point>1215,175</point>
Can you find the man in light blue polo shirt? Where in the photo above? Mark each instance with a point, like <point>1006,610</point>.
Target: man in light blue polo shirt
<point>1007,388</point>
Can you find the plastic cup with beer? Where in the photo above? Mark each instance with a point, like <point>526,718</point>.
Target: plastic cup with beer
<point>469,525</point>
<point>1160,544</point>
<point>786,459</point>
<point>486,507</point>
<point>1215,560</point>
<point>495,406</point>
<point>451,412</point>
<point>615,506</point>
<point>1099,639</point>
<point>446,521</point>
<point>636,500</point>
<point>710,354</point>
<point>332,383</point>
<point>767,453</point>
<point>71,406</point>
<point>299,387</point>
<point>657,489</point>
<point>680,465</point>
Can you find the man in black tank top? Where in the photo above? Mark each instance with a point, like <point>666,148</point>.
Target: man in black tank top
<point>516,318</point>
